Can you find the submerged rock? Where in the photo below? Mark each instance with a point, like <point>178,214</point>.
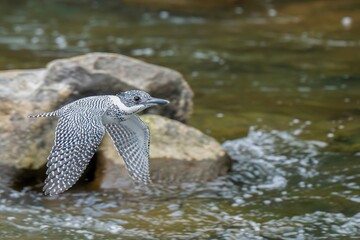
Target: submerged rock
<point>178,153</point>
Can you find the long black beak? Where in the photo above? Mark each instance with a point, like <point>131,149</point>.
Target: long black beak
<point>157,101</point>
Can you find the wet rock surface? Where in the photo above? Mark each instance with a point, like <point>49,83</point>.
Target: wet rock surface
<point>178,153</point>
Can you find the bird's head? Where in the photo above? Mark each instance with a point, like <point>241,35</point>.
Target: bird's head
<point>135,101</point>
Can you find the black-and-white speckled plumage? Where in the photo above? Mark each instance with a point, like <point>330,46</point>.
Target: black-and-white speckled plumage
<point>132,139</point>
<point>81,127</point>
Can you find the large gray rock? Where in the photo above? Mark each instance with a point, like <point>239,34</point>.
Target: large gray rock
<point>178,153</point>
<point>25,143</point>
<point>106,73</point>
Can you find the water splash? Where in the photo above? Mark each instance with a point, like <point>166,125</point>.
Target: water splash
<point>269,158</point>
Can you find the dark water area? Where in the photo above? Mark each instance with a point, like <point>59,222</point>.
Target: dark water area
<point>278,82</point>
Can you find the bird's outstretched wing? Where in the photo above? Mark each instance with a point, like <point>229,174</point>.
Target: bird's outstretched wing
<point>131,138</point>
<point>76,139</point>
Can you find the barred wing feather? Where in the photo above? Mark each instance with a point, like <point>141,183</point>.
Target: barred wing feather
<point>76,140</point>
<point>131,138</point>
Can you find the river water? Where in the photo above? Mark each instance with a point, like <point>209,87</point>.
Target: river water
<point>278,83</point>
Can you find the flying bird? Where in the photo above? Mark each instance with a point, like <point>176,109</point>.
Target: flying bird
<point>81,127</point>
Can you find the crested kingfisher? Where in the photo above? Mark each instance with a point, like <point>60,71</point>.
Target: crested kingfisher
<point>81,127</point>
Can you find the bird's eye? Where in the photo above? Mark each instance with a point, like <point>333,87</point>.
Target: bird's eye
<point>137,98</point>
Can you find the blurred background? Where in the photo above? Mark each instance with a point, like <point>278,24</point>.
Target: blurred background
<point>282,77</point>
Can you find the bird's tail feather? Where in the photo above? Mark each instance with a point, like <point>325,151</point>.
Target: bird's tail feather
<point>47,114</point>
